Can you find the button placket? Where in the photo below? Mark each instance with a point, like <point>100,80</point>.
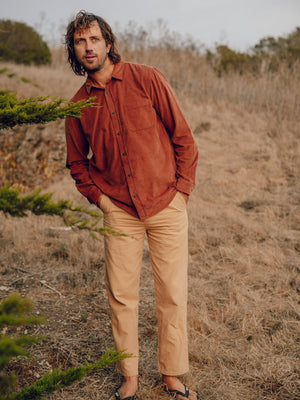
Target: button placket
<point>119,136</point>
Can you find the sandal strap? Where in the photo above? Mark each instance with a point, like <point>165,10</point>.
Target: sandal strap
<point>174,392</point>
<point>117,396</point>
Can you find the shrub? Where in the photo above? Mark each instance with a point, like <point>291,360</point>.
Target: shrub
<point>14,311</point>
<point>22,44</point>
<point>227,60</point>
<point>281,49</point>
<point>268,54</point>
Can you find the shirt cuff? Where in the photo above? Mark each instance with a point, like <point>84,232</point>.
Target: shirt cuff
<point>184,186</point>
<point>94,195</point>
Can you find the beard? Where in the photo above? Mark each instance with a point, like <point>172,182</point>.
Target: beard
<point>97,68</point>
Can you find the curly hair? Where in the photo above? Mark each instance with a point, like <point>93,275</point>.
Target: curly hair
<point>82,21</point>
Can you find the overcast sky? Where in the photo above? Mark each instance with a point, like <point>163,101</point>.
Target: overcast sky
<point>237,23</point>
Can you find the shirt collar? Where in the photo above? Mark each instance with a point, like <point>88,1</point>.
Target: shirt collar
<point>117,74</point>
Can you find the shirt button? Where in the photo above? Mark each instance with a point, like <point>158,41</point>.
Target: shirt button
<point>119,133</point>
<point>134,195</point>
<point>107,92</point>
<point>113,112</point>
<point>124,154</point>
<point>129,174</point>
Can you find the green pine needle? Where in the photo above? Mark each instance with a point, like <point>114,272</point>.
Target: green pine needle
<point>57,379</point>
<point>14,310</point>
<point>37,110</point>
<point>78,217</point>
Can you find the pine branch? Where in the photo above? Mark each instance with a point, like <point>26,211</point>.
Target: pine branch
<point>11,203</point>
<point>78,217</point>
<point>57,379</point>
<point>13,310</point>
<point>82,223</point>
<point>12,347</point>
<point>37,110</point>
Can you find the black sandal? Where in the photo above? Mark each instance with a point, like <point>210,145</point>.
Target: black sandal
<point>117,396</point>
<point>173,392</point>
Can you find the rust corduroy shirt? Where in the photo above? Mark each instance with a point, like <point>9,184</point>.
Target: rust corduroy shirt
<point>136,147</point>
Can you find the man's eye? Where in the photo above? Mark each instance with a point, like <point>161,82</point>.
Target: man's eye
<point>95,39</point>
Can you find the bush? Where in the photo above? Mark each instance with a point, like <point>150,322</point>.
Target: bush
<point>14,311</point>
<point>226,60</point>
<point>281,49</point>
<point>267,55</point>
<point>22,44</point>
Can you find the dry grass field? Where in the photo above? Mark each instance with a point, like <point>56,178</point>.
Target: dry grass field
<point>244,270</point>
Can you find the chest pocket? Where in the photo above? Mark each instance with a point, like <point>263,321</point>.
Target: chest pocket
<point>140,116</point>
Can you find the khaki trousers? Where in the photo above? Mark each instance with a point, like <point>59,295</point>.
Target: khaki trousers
<point>168,245</point>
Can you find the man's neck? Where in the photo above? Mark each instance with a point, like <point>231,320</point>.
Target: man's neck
<point>104,75</point>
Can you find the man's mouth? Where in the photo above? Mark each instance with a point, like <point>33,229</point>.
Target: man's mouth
<point>90,57</point>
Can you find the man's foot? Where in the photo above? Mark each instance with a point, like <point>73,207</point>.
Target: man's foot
<point>128,388</point>
<point>174,385</point>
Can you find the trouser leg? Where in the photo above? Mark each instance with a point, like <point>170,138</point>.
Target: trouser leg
<point>168,243</point>
<point>123,265</point>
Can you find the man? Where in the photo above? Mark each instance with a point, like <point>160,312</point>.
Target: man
<point>134,156</point>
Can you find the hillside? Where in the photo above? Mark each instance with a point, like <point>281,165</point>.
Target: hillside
<point>244,277</point>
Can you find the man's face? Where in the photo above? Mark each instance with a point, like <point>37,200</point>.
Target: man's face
<point>90,48</point>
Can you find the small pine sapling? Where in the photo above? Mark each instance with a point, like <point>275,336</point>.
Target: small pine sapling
<point>14,311</point>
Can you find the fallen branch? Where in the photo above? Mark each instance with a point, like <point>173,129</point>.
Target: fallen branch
<point>29,274</point>
<point>43,282</point>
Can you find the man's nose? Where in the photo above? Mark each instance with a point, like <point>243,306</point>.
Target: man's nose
<point>89,45</point>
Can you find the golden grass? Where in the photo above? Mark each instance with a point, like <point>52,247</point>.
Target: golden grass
<point>244,280</point>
